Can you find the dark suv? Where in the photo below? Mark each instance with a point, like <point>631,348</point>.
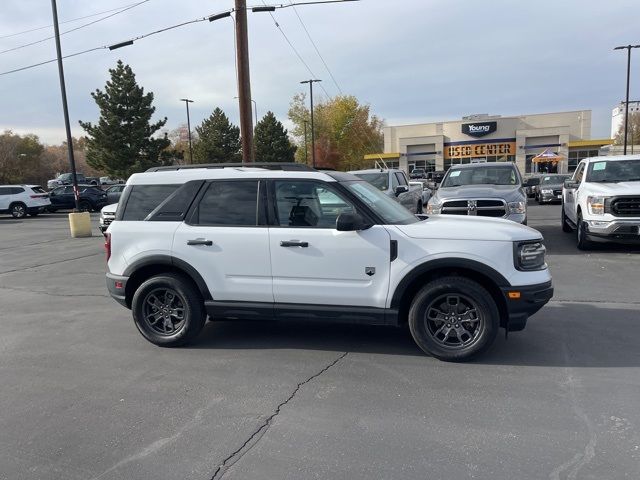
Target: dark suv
<point>91,198</point>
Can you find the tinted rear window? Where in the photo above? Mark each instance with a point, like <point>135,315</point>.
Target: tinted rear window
<point>175,207</point>
<point>228,203</point>
<point>16,190</point>
<point>143,199</point>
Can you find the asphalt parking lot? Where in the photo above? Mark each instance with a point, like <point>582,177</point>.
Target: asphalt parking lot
<point>84,396</point>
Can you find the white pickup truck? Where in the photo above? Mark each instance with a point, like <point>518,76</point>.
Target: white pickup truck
<point>601,202</point>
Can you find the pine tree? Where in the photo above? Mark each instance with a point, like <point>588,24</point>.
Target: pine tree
<point>122,142</point>
<point>218,140</point>
<point>272,142</point>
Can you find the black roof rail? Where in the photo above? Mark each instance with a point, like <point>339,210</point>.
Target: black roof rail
<point>287,166</point>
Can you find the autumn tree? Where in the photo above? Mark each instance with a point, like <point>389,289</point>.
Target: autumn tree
<point>20,157</point>
<point>272,142</point>
<point>633,130</point>
<point>345,131</point>
<point>218,140</point>
<point>123,142</point>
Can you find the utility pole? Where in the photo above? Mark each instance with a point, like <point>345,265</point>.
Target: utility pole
<point>306,149</point>
<point>187,102</point>
<point>313,135</point>
<point>65,109</point>
<point>626,103</point>
<point>244,81</point>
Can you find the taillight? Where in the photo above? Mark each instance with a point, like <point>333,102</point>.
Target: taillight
<point>107,245</point>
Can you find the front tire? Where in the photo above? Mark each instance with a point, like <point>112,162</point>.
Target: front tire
<point>453,319</point>
<point>566,228</point>
<point>582,240</point>
<point>168,310</point>
<point>18,210</point>
<point>84,206</point>
<point>419,209</point>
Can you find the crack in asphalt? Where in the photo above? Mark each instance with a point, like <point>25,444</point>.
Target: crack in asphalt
<point>249,444</point>
<point>51,263</point>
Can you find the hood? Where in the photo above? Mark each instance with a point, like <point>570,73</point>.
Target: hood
<point>551,186</point>
<point>110,208</point>
<point>612,189</point>
<point>507,192</point>
<point>457,227</point>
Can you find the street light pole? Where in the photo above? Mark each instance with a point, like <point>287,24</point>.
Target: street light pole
<point>65,108</point>
<point>187,102</point>
<point>313,136</point>
<point>626,103</point>
<point>306,149</point>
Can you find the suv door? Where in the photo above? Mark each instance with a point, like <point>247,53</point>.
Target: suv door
<point>569,194</point>
<point>5,197</point>
<point>315,264</point>
<point>227,241</point>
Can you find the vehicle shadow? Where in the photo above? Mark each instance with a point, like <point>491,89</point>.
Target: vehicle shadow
<point>560,335</point>
<point>561,243</point>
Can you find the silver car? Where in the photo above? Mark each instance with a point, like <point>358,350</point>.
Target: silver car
<point>481,189</point>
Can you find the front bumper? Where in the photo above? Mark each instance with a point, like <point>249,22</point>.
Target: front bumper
<point>623,230</point>
<point>117,285</point>
<point>550,197</point>
<point>531,298</point>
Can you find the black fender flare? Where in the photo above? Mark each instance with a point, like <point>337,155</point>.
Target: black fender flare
<point>175,263</point>
<point>440,263</point>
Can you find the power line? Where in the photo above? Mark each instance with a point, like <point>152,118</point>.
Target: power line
<point>66,21</point>
<point>74,29</point>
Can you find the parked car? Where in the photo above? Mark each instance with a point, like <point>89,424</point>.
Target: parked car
<point>395,185</point>
<point>110,181</point>
<point>113,193</point>
<point>107,215</point>
<point>426,191</point>
<point>434,178</point>
<point>91,198</point>
<point>531,184</point>
<point>181,254</point>
<point>481,189</point>
<point>550,188</point>
<point>95,181</point>
<point>601,202</point>
<point>23,200</point>
<point>67,179</point>
<point>417,173</point>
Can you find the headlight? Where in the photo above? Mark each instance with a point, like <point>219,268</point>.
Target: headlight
<point>529,255</point>
<point>547,191</point>
<point>517,207</point>
<point>434,208</point>
<point>595,205</point>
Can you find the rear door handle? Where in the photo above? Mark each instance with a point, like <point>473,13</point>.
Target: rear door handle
<point>200,241</point>
<point>294,243</point>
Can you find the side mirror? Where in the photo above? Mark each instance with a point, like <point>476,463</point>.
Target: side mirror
<point>350,222</point>
<point>401,189</point>
<point>569,183</point>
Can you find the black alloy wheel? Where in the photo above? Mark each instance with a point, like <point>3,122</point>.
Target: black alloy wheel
<point>168,310</point>
<point>453,318</point>
<point>18,210</point>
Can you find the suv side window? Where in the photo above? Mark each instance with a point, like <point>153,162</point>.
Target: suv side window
<point>17,190</point>
<point>144,198</point>
<point>309,204</point>
<point>401,178</point>
<point>5,190</point>
<point>394,182</point>
<point>577,177</point>
<point>228,203</point>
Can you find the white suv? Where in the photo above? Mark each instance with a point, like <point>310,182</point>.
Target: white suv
<point>601,202</point>
<point>294,243</point>
<point>23,200</point>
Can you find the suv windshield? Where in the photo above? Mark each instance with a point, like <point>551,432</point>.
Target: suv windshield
<point>554,179</point>
<point>489,175</point>
<point>378,180</point>
<point>614,171</point>
<point>391,212</point>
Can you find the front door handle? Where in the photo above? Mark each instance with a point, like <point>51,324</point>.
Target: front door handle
<point>294,243</point>
<point>200,241</point>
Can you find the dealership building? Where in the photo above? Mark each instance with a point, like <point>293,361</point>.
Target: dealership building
<point>492,138</point>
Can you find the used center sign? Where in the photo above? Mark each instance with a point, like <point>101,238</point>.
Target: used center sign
<point>480,150</point>
<point>479,129</point>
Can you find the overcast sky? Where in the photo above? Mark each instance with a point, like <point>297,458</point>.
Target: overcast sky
<point>411,60</point>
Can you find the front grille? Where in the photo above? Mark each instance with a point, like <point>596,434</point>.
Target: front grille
<point>557,192</point>
<point>107,220</point>
<point>478,207</point>
<point>623,206</point>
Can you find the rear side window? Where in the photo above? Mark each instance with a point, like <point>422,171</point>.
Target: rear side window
<point>174,208</point>
<point>229,203</point>
<point>16,190</point>
<point>143,199</point>
<point>5,190</point>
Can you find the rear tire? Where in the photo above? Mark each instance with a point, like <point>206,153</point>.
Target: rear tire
<point>84,206</point>
<point>566,228</point>
<point>453,319</point>
<point>168,310</point>
<point>18,210</point>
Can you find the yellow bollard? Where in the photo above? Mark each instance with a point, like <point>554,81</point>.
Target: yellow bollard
<point>80,224</point>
